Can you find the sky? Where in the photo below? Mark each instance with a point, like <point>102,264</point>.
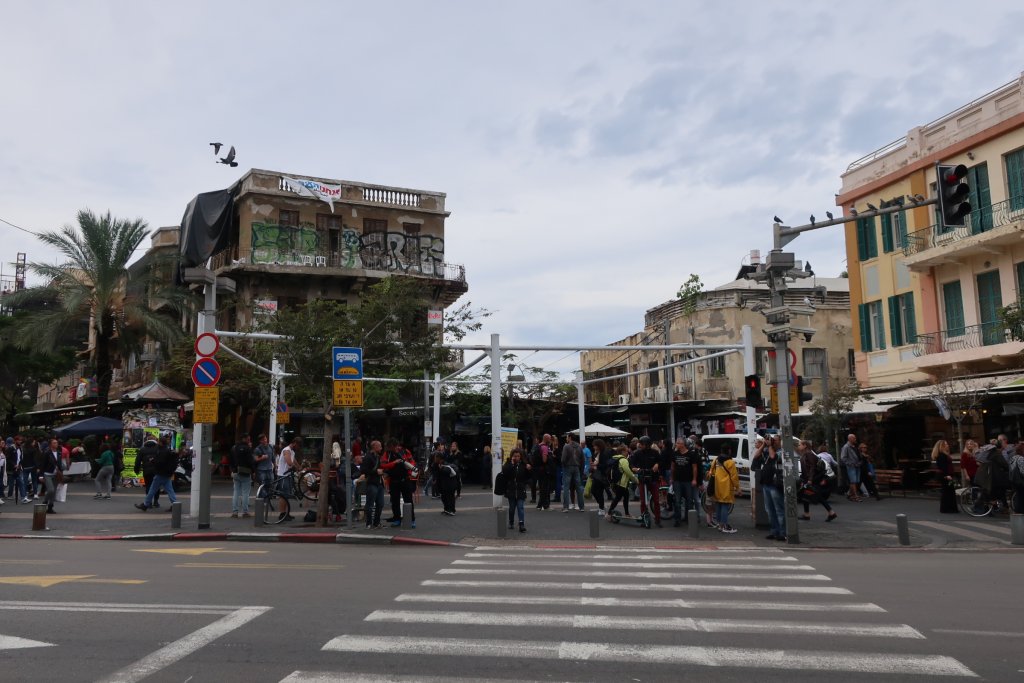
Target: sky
<point>594,154</point>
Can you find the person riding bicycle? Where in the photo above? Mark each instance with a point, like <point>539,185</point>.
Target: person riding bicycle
<point>647,465</point>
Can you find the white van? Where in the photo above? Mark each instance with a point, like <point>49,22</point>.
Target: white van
<point>742,448</point>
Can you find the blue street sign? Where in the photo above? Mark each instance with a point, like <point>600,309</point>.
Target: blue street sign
<point>206,372</point>
<point>347,362</point>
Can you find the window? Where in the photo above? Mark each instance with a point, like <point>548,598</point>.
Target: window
<point>894,231</point>
<point>374,225</point>
<point>902,326</point>
<point>653,381</point>
<point>814,363</point>
<point>867,242</point>
<point>851,363</point>
<point>411,228</point>
<point>872,326</point>
<point>980,199</point>
<point>953,304</point>
<point>325,221</point>
<point>1015,179</point>
<point>286,217</point>
<point>716,366</point>
<point>1020,281</point>
<point>762,361</point>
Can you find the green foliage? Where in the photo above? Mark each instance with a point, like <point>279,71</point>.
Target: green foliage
<point>22,369</point>
<point>830,410</point>
<point>1012,318</point>
<point>689,293</point>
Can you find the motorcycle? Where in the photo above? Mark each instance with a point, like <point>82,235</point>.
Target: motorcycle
<point>183,473</point>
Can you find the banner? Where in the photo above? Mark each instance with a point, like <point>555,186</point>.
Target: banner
<point>311,188</point>
<point>509,436</point>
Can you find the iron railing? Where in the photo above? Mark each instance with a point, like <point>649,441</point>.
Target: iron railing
<point>980,220</point>
<point>967,337</point>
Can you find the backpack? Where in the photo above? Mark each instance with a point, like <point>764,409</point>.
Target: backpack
<point>499,484</point>
<point>1017,473</point>
<point>823,470</point>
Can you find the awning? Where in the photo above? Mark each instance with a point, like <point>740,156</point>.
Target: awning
<point>1010,385</point>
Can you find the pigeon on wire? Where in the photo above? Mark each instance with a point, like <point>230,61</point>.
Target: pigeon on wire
<point>830,216</point>
<point>230,158</point>
<point>216,147</point>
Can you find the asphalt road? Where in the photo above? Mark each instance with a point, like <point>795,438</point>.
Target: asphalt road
<point>290,612</point>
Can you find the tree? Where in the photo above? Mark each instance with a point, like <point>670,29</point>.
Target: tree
<point>93,284</point>
<point>957,397</point>
<point>534,405</point>
<point>830,411</point>
<point>21,371</point>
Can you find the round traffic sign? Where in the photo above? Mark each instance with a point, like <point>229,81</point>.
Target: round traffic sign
<point>206,372</point>
<point>207,344</point>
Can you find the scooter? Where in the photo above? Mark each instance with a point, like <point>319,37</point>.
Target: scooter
<point>644,519</point>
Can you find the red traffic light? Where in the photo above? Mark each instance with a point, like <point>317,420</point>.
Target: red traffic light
<point>954,174</point>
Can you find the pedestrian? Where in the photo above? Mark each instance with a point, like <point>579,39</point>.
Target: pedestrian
<point>968,463</point>
<point>29,458</point>
<point>849,456</point>
<point>867,473</point>
<point>517,477</point>
<point>241,464</point>
<point>167,462</point>
<point>448,485</point>
<point>768,461</point>
<point>572,466</point>
<point>105,472</point>
<point>1017,478</point>
<point>943,464</point>
<point>620,483</point>
<point>542,468</point>
<point>263,456</point>
<point>51,472</point>
<point>816,477</point>
<point>727,485</point>
<point>13,467</point>
<point>647,463</point>
<point>396,464</point>
<point>371,473</point>
<point>599,482</point>
<point>145,462</point>
<point>685,471</point>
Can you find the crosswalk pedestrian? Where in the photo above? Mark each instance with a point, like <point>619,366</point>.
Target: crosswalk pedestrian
<point>535,613</point>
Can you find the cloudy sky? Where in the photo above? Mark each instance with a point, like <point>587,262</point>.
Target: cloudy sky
<point>595,154</point>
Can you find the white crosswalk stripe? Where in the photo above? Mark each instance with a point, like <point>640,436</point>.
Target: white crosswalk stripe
<point>540,604</point>
<point>959,531</point>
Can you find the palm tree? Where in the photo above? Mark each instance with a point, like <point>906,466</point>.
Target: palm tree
<point>94,284</point>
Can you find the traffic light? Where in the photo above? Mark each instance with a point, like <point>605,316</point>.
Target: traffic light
<point>953,193</point>
<point>802,396</point>
<point>753,391</point>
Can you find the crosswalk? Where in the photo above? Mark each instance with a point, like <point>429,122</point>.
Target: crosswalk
<point>956,529</point>
<point>613,614</point>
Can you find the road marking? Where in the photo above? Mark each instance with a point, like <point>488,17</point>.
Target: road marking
<point>43,581</point>
<point>636,565</point>
<point>986,634</point>
<point>123,582</point>
<point>224,565</point>
<point>31,561</point>
<point>766,558</point>
<point>15,643</point>
<point>30,605</point>
<point>644,575</point>
<point>614,622</point>
<point>199,551</point>
<point>183,647</point>
<point>667,587</point>
<point>662,603</point>
<point>991,528</point>
<point>346,677</point>
<point>613,549</point>
<point>750,658</point>
<point>966,533</point>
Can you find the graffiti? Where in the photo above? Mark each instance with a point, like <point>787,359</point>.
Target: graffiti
<point>387,251</point>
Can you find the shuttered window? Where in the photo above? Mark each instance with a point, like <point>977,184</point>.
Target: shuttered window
<point>953,304</point>
<point>872,326</point>
<point>902,326</point>
<point>867,242</point>
<point>1015,179</point>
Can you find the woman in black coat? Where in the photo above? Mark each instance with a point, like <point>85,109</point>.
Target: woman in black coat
<point>517,479</point>
<point>944,464</point>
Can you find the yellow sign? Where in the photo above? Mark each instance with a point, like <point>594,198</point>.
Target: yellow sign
<point>509,436</point>
<point>207,402</point>
<point>284,418</point>
<point>794,405</point>
<point>348,393</point>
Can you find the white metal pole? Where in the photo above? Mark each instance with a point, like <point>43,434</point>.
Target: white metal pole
<point>749,367</point>
<point>435,429</point>
<point>202,434</point>
<point>275,377</point>
<point>496,455</point>
<point>581,415</point>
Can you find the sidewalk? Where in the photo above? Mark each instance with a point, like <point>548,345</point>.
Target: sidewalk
<point>869,525</point>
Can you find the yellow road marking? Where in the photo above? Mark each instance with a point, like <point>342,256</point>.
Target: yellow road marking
<point>126,582</point>
<point>200,551</point>
<point>224,565</point>
<point>42,581</point>
<point>31,561</point>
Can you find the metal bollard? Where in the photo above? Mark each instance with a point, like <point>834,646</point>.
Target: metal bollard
<point>595,525</point>
<point>693,521</point>
<point>903,529</point>
<point>39,517</point>
<point>1017,528</point>
<point>176,514</point>
<point>502,531</point>
<point>259,510</point>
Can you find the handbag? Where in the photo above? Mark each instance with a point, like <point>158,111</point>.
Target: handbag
<point>587,489</point>
<point>62,493</point>
<point>711,481</point>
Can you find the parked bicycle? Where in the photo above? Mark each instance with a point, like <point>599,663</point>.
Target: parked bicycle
<point>276,507</point>
<point>974,502</point>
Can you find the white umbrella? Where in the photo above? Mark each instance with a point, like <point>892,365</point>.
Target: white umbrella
<point>598,429</point>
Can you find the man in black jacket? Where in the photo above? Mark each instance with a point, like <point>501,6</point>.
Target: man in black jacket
<point>646,463</point>
<point>241,463</point>
<point>145,462</point>
<point>166,463</point>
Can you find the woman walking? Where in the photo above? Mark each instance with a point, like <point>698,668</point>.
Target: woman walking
<point>620,487</point>
<point>517,478</point>
<point>105,473</point>
<point>727,484</point>
<point>944,464</point>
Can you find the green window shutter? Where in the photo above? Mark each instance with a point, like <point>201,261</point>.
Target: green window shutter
<point>910,323</point>
<point>1015,179</point>
<point>895,329</point>
<point>872,238</point>
<point>865,327</point>
<point>887,233</point>
<point>862,245</point>
<point>879,316</point>
<point>1020,281</point>
<point>952,300</point>
<point>901,229</point>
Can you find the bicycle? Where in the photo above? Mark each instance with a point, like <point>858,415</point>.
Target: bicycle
<point>974,502</point>
<point>307,483</point>
<point>273,499</point>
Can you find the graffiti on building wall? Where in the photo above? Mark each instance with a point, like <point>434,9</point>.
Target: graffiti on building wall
<point>388,251</point>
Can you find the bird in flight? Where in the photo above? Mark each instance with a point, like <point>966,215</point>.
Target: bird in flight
<point>230,158</point>
<point>216,147</point>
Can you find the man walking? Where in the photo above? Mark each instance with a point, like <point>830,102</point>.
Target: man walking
<point>370,472</point>
<point>167,461</point>
<point>572,466</point>
<point>145,463</point>
<point>685,479</point>
<point>849,456</point>
<point>240,461</point>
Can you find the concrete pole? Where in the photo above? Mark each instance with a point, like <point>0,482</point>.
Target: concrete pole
<point>349,490</point>
<point>496,455</point>
<point>790,466</point>
<point>275,378</point>
<point>202,434</point>
<point>669,376</point>
<point>435,431</point>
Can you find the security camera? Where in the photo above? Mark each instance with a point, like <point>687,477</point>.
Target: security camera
<point>808,336</point>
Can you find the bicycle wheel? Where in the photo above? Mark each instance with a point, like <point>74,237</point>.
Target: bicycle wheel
<point>707,503</point>
<point>645,519</point>
<point>973,503</point>
<point>309,484</point>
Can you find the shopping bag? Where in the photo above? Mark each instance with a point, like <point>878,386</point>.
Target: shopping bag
<point>62,493</point>
<point>586,489</point>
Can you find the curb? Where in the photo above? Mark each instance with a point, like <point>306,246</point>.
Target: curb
<point>278,537</point>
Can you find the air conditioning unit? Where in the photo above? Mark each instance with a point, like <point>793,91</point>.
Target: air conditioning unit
<point>648,393</point>
<point>681,390</point>
<point>623,399</point>
<point>661,394</point>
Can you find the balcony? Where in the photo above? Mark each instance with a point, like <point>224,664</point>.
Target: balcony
<point>989,344</point>
<point>985,231</point>
<point>717,388</point>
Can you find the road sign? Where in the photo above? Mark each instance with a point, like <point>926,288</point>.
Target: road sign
<point>284,418</point>
<point>348,393</point>
<point>347,363</point>
<point>207,344</point>
<point>794,403</point>
<point>206,372</point>
<point>207,402</point>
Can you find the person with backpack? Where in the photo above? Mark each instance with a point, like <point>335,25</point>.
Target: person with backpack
<point>241,463</point>
<point>816,479</point>
<point>623,475</point>
<point>516,476</point>
<point>167,462</point>
<point>145,463</point>
<point>768,461</point>
<point>105,472</point>
<point>724,480</point>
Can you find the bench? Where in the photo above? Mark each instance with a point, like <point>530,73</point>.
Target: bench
<point>891,478</point>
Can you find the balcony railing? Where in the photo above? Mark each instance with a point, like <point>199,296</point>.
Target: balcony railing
<point>978,221</point>
<point>961,338</point>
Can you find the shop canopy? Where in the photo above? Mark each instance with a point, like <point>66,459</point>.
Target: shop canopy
<point>598,429</point>
<point>91,425</point>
